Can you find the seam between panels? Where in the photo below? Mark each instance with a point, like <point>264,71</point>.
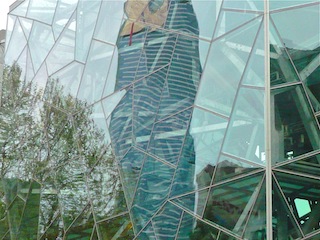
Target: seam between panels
<point>267,111</point>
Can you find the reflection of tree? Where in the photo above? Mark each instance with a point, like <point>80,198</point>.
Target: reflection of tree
<point>54,149</point>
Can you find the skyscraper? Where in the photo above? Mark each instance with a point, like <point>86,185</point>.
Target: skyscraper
<point>161,119</point>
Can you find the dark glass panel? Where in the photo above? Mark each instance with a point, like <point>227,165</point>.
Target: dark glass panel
<point>229,167</point>
<point>303,197</point>
<point>169,135</point>
<point>82,227</point>
<point>294,128</point>
<point>192,228</point>
<point>166,221</point>
<point>147,95</point>
<point>193,202</point>
<point>152,191</point>
<point>309,165</point>
<point>130,170</point>
<point>281,67</point>
<point>229,204</point>
<point>147,233</point>
<point>283,223</point>
<point>256,225</point>
<point>55,230</point>
<point>116,228</point>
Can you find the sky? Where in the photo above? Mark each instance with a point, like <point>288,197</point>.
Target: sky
<point>4,9</point>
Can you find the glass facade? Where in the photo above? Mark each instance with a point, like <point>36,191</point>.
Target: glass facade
<point>161,119</point>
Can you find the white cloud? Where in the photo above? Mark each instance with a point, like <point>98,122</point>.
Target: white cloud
<point>4,9</point>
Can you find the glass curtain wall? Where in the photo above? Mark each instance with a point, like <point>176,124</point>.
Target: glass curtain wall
<point>161,119</point>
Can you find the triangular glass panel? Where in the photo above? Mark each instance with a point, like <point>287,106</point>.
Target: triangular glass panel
<point>41,35</point>
<point>121,125</point>
<point>309,165</point>
<point>294,127</point>
<point>147,233</point>
<point>229,20</point>
<point>146,99</point>
<point>152,191</point>
<point>41,78</point>
<point>29,67</point>
<point>82,227</point>
<point>116,228</point>
<point>55,230</point>
<point>62,16</point>
<point>111,12</point>
<point>165,222</point>
<point>16,44</point>
<point>255,70</point>
<point>63,51</point>
<point>283,222</point>
<point>276,4</point>
<point>42,11</point>
<point>226,61</point>
<point>302,195</point>
<point>194,202</point>
<point>229,204</point>
<point>69,78</point>
<point>87,13</point>
<point>29,222</point>
<point>254,5</point>
<point>105,189</point>
<point>229,167</point>
<point>281,67</point>
<point>192,228</point>
<point>168,136</point>
<point>130,170</point>
<point>22,62</point>
<point>246,133</point>
<point>21,10</point>
<point>96,71</point>
<point>11,21</point>
<point>26,25</point>
<point>111,102</point>
<point>256,226</point>
<point>112,78</point>
<point>49,207</point>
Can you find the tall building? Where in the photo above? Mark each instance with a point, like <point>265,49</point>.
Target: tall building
<point>161,119</point>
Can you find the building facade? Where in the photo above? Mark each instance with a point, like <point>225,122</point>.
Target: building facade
<point>161,119</point>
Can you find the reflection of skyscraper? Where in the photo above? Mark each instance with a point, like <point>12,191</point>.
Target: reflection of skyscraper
<point>225,149</point>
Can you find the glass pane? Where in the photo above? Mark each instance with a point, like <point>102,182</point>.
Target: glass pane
<point>41,35</point>
<point>246,134</point>
<point>87,13</point>
<point>111,12</point>
<point>310,165</point>
<point>152,191</point>
<point>42,11</point>
<point>62,16</point>
<point>225,66</point>
<point>206,13</point>
<point>95,72</point>
<point>283,223</point>
<point>229,20</point>
<point>21,10</point>
<point>116,228</point>
<point>26,25</point>
<point>166,221</point>
<point>276,4</point>
<point>130,170</point>
<point>307,190</point>
<point>63,51</point>
<point>69,78</point>
<point>168,136</point>
<point>192,228</point>
<point>303,45</point>
<point>147,233</point>
<point>229,204</point>
<point>281,66</point>
<point>255,5</point>
<point>147,95</point>
<point>294,128</point>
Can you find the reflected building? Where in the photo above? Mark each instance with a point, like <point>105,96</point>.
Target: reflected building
<point>161,119</point>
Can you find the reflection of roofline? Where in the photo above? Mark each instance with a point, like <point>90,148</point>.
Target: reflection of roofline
<point>15,4</point>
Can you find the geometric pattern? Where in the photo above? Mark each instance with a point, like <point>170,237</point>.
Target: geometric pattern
<point>149,119</point>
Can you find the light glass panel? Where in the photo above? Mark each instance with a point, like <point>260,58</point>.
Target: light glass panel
<point>42,11</point>
<point>276,4</point>
<point>253,5</point>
